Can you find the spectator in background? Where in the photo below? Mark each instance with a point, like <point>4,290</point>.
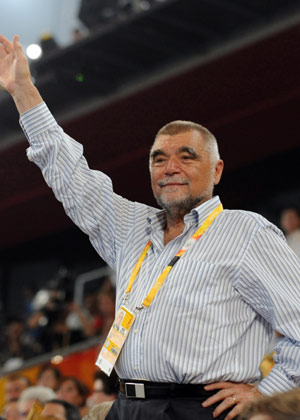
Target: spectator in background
<point>78,34</point>
<point>104,388</point>
<point>106,307</point>
<point>61,410</point>
<point>19,345</point>
<point>10,410</point>
<point>14,386</point>
<point>290,223</point>
<point>94,315</point>
<point>74,392</point>
<point>83,320</point>
<point>32,394</point>
<point>280,406</point>
<point>49,376</point>
<point>49,316</point>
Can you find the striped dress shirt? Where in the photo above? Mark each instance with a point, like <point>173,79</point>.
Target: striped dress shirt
<point>214,316</point>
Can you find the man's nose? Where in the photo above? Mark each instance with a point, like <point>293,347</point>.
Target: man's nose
<point>172,166</point>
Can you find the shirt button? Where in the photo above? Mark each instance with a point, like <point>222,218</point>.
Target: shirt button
<point>135,367</point>
<point>136,331</point>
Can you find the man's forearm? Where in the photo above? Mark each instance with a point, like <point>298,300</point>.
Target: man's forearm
<point>26,97</point>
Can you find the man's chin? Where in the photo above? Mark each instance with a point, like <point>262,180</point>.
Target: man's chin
<point>179,205</point>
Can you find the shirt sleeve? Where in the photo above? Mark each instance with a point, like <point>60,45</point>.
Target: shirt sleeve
<point>269,280</point>
<point>87,195</point>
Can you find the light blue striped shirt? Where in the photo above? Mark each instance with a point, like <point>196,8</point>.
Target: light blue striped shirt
<point>213,318</point>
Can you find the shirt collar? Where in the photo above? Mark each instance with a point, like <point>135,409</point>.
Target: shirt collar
<point>157,221</point>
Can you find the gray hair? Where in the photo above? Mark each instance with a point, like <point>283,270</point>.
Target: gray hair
<point>182,126</point>
<point>38,392</point>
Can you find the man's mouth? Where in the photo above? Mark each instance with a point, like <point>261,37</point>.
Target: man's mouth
<point>172,183</point>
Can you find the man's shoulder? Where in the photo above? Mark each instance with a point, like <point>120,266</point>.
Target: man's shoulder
<point>145,211</point>
<point>249,219</point>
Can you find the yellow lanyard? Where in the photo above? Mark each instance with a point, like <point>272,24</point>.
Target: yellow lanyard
<point>159,282</point>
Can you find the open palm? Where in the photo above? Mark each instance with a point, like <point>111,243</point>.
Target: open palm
<point>14,68</point>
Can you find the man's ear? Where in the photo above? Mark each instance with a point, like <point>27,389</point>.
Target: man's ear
<point>218,171</point>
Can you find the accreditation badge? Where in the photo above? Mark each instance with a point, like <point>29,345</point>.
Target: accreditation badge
<point>115,340</point>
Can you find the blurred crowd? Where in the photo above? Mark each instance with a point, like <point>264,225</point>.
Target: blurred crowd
<point>53,391</point>
<point>52,320</point>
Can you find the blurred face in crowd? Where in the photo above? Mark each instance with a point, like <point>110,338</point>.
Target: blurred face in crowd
<point>15,330</point>
<point>68,391</point>
<point>48,378</point>
<point>290,221</point>
<point>98,385</point>
<point>14,388</point>
<point>54,410</point>
<point>106,304</point>
<point>10,411</point>
<point>98,396</point>
<point>182,172</point>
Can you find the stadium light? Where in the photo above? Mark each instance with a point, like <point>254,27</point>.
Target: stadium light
<point>34,51</point>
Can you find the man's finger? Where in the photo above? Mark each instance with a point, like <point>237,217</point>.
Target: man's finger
<point>219,385</point>
<point>226,404</point>
<point>17,46</point>
<point>3,52</point>
<point>16,42</point>
<point>218,396</point>
<point>7,45</point>
<point>234,412</point>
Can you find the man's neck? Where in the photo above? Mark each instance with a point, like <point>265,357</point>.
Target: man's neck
<point>173,229</point>
<point>175,223</point>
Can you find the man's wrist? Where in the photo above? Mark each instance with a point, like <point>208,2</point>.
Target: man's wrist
<point>26,97</point>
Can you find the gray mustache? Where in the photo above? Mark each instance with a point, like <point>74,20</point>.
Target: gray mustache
<point>167,181</point>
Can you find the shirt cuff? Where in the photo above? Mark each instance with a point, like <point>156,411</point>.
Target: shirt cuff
<point>276,381</point>
<point>36,121</point>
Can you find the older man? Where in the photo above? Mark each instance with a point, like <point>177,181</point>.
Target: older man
<point>201,287</point>
<point>32,394</point>
<point>14,386</point>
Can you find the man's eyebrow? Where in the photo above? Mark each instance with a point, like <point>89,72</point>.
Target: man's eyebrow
<point>189,150</point>
<point>156,153</point>
<point>183,149</point>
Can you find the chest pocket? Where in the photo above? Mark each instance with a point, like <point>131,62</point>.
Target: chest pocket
<point>193,283</point>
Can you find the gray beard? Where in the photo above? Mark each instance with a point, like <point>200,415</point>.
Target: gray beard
<point>179,208</point>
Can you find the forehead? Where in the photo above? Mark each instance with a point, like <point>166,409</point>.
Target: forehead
<point>15,384</point>
<point>98,385</point>
<point>68,384</point>
<point>47,373</point>
<point>290,213</point>
<point>168,143</point>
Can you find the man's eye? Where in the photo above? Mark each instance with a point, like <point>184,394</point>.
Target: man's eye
<point>185,157</point>
<point>159,160</point>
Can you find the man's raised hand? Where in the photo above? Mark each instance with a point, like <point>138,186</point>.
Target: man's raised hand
<point>15,75</point>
